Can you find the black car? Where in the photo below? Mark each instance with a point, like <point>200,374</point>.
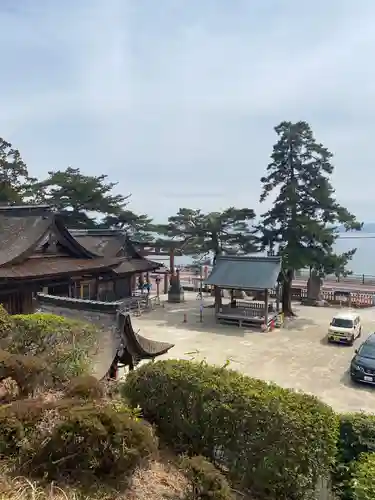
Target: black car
<point>362,366</point>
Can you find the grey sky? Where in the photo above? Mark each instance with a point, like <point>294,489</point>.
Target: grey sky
<point>177,99</point>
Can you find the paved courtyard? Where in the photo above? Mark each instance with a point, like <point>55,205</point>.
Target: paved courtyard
<point>296,356</point>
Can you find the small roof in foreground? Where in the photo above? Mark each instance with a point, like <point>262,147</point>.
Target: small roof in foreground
<point>246,273</point>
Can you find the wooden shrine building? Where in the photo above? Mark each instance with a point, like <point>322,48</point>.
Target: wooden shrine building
<point>255,276</point>
<point>113,243</point>
<point>38,253</point>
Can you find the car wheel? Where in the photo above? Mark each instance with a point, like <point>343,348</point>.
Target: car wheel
<point>360,332</point>
<point>352,339</point>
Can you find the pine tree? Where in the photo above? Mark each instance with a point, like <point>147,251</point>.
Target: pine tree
<point>226,232</point>
<point>302,222</point>
<point>215,233</point>
<point>80,198</point>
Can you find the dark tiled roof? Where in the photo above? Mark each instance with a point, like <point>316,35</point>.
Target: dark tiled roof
<point>21,230</point>
<point>106,242</point>
<point>112,243</point>
<point>135,265</point>
<point>251,273</point>
<point>44,267</point>
<point>101,242</point>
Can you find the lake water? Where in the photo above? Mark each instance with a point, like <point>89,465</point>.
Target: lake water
<point>363,261</point>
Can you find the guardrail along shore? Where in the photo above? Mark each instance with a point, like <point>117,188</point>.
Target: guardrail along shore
<point>358,279</point>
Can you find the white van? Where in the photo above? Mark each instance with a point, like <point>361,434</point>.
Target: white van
<point>345,327</point>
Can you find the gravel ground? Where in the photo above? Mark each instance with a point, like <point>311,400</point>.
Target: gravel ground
<point>296,356</point>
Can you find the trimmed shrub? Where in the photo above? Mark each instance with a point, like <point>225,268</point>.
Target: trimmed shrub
<point>29,372</point>
<point>67,344</point>
<point>357,436</point>
<point>17,422</point>
<point>207,482</point>
<point>363,482</point>
<point>273,441</point>
<point>85,387</point>
<point>92,442</point>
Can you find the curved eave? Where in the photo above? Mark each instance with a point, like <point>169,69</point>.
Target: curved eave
<point>70,242</point>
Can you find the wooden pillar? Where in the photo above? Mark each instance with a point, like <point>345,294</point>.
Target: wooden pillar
<point>158,286</point>
<point>266,307</point>
<point>133,283</point>
<point>165,283</point>
<point>113,370</point>
<point>95,289</point>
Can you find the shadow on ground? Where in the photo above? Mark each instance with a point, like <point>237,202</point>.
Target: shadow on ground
<point>187,316</point>
<point>298,323</point>
<point>347,382</point>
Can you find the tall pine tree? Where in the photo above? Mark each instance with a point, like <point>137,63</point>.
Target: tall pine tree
<point>302,222</point>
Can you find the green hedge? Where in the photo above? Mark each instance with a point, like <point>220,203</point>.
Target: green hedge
<point>273,441</point>
<point>66,344</point>
<point>357,436</point>
<point>363,482</point>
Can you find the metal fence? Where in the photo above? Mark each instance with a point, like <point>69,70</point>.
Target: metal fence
<point>359,279</point>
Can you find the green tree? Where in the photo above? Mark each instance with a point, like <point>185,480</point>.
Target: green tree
<point>79,198</point>
<point>215,233</point>
<point>137,226</point>
<point>193,232</point>
<point>302,222</point>
<point>15,182</point>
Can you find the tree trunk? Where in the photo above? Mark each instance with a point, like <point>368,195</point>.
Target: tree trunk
<point>217,290</point>
<point>286,296</point>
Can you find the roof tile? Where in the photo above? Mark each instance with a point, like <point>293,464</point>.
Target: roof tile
<point>246,273</point>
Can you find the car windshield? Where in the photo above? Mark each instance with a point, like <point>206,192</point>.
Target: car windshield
<point>342,323</point>
<point>367,351</point>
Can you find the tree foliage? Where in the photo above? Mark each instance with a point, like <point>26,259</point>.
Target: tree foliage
<point>304,216</point>
<point>80,198</point>
<point>137,226</point>
<point>15,181</point>
<point>201,233</point>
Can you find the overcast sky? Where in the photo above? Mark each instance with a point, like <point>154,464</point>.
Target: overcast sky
<point>176,100</point>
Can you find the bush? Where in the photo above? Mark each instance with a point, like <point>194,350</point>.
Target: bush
<point>6,323</point>
<point>357,436</point>
<point>65,343</point>
<point>92,442</point>
<point>85,387</point>
<point>363,482</point>
<point>17,422</point>
<point>273,441</point>
<point>206,481</point>
<point>29,372</point>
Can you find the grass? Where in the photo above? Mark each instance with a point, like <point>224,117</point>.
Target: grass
<point>159,481</point>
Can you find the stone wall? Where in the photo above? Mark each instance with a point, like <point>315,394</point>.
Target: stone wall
<point>102,314</point>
